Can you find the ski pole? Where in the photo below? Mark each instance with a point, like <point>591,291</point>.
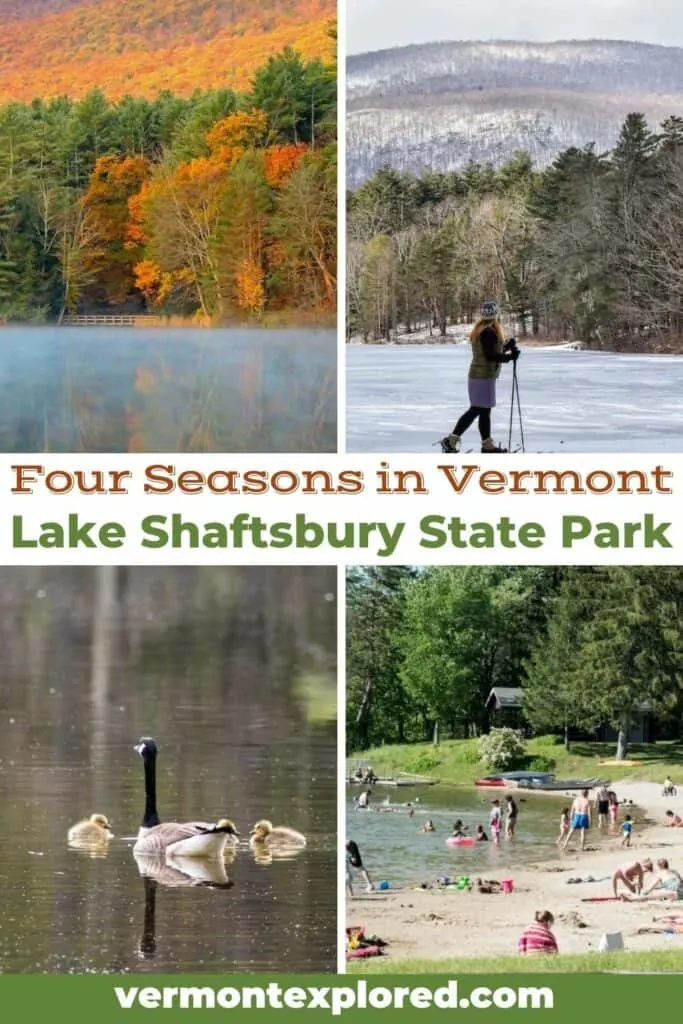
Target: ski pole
<point>514,397</point>
<point>515,382</point>
<point>512,404</point>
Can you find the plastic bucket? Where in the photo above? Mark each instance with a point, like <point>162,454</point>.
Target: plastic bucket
<point>507,884</point>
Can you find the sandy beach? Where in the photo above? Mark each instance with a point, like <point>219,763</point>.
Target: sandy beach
<point>441,923</point>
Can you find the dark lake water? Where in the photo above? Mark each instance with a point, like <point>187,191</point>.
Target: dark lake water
<point>233,671</point>
<point>393,849</point>
<point>118,389</point>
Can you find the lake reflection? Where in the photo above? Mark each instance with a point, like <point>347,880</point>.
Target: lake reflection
<point>119,389</point>
<point>233,671</point>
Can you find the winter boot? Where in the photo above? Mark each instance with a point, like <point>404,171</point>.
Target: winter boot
<point>450,444</point>
<point>490,446</point>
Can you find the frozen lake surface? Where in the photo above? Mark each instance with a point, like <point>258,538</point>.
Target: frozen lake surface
<point>403,398</point>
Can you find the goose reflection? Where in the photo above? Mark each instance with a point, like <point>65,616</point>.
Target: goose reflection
<point>184,871</point>
<point>267,854</point>
<point>89,847</point>
<point>173,873</point>
<point>147,946</point>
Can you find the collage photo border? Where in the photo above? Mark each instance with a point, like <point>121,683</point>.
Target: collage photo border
<point>341,568</point>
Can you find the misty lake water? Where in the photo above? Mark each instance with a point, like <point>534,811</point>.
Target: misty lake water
<point>392,848</point>
<point>233,671</point>
<point>403,398</point>
<point>113,389</point>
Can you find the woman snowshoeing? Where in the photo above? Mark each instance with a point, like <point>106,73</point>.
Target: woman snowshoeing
<point>489,352</point>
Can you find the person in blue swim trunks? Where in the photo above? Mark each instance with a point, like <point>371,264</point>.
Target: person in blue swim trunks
<point>580,820</point>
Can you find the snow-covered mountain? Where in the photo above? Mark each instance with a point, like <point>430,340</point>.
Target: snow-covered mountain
<point>439,105</point>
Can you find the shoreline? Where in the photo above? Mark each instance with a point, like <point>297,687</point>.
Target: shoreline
<point>437,924</point>
<point>453,341</point>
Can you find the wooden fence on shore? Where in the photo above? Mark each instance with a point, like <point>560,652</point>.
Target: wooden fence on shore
<point>114,320</point>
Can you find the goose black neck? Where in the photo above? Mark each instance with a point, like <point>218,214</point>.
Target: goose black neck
<point>151,818</point>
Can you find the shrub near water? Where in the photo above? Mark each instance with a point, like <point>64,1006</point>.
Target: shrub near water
<point>501,749</point>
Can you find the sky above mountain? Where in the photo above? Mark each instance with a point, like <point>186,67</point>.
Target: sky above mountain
<point>381,24</point>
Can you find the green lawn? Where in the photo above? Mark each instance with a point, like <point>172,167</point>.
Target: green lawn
<point>586,963</point>
<point>457,762</point>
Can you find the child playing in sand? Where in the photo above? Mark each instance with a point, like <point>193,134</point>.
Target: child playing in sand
<point>627,829</point>
<point>495,821</point>
<point>674,820</point>
<point>631,875</point>
<point>481,836</point>
<point>564,826</point>
<point>538,938</point>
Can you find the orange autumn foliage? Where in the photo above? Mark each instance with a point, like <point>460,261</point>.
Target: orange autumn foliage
<point>148,280</point>
<point>109,257</point>
<point>280,161</point>
<point>249,287</point>
<point>113,180</point>
<point>134,234</point>
<point>229,138</point>
<point>140,47</point>
<point>157,285</point>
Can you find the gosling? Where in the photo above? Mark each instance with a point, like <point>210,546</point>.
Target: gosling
<point>264,834</point>
<point>95,829</point>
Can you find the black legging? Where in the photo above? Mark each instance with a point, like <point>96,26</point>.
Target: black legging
<point>468,418</point>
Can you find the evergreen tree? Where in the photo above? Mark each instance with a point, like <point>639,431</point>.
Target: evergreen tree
<point>671,137</point>
<point>295,96</point>
<point>613,649</point>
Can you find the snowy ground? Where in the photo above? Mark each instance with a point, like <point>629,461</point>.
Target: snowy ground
<point>403,398</point>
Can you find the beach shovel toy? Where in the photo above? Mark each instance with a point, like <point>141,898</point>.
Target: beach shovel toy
<point>507,885</point>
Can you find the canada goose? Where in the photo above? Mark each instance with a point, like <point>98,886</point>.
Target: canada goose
<point>95,829</point>
<point>263,833</point>
<point>186,839</point>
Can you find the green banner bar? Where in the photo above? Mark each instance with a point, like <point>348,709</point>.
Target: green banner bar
<point>126,997</point>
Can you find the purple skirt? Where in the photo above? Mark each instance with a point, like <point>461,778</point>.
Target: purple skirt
<point>482,392</point>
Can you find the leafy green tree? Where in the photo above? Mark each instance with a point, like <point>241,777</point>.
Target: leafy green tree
<point>377,705</point>
<point>464,634</point>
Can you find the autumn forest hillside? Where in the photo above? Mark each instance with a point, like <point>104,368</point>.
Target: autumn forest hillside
<point>220,206</point>
<point>54,48</point>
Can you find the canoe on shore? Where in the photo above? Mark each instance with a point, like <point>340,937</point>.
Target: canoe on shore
<point>510,779</point>
<point>561,785</point>
<point>393,782</point>
<point>539,781</point>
